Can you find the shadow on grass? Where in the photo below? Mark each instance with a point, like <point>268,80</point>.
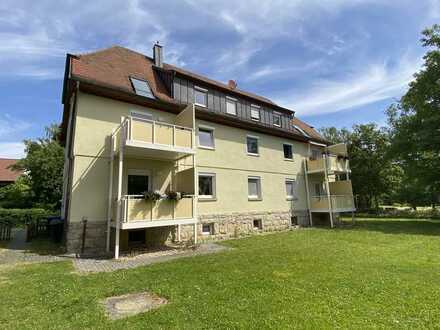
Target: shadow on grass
<point>398,226</point>
<point>44,246</point>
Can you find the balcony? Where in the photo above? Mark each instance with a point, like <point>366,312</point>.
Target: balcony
<point>162,140</point>
<point>136,212</point>
<point>339,203</point>
<point>335,164</point>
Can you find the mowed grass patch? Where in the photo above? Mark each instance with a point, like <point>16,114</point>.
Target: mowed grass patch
<point>377,274</point>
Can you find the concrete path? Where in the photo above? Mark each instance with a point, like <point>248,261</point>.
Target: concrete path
<point>17,252</point>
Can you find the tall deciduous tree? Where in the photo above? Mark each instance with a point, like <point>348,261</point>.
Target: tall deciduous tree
<point>373,174</point>
<point>43,165</point>
<point>415,125</point>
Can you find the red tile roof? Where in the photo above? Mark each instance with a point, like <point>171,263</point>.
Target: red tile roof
<point>6,174</point>
<point>115,65</point>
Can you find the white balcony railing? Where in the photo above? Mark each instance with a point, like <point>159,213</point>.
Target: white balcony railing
<point>151,132</point>
<point>338,203</point>
<point>136,208</point>
<point>334,164</point>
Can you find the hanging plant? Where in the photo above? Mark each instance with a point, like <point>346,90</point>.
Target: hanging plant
<point>153,196</point>
<point>174,195</point>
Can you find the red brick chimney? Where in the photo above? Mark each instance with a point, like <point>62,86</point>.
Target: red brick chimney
<point>232,84</point>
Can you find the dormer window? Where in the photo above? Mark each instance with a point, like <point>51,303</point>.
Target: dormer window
<point>231,106</point>
<point>255,112</point>
<point>141,87</point>
<point>200,96</point>
<point>277,119</point>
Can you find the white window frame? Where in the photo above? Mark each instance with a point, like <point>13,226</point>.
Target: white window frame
<point>258,145</point>
<point>203,90</point>
<point>293,181</point>
<point>141,115</point>
<point>255,108</point>
<point>258,197</point>
<point>214,194</point>
<point>206,128</point>
<point>276,114</point>
<point>136,171</point>
<point>234,101</point>
<point>211,229</point>
<point>291,145</point>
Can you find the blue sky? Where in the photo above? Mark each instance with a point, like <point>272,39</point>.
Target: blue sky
<point>334,62</point>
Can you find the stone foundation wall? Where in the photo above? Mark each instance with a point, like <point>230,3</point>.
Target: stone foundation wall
<point>235,225</point>
<point>95,238</point>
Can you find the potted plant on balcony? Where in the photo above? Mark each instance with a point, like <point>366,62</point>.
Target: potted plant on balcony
<point>153,196</point>
<point>174,195</point>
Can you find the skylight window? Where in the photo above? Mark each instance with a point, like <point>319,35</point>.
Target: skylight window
<point>141,87</point>
<point>301,130</point>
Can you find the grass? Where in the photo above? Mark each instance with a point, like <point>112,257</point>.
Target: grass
<point>378,274</point>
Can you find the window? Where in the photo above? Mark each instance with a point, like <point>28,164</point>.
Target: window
<point>252,145</point>
<point>277,119</point>
<point>200,96</point>
<point>290,188</point>
<point>288,151</point>
<point>141,115</point>
<point>141,87</point>
<point>208,229</point>
<point>207,185</point>
<point>231,106</point>
<point>255,112</point>
<point>258,224</point>
<point>301,130</point>
<point>318,189</point>
<point>316,154</point>
<point>254,187</point>
<point>137,182</point>
<point>206,137</point>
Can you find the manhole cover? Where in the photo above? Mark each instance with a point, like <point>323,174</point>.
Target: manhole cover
<point>132,304</point>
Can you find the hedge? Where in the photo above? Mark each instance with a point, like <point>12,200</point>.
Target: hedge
<point>396,213</point>
<point>21,217</point>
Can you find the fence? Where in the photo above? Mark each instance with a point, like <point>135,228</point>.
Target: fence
<point>5,231</point>
<point>37,229</point>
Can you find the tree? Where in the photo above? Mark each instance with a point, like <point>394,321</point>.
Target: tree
<point>374,176</point>
<point>415,125</point>
<point>18,194</point>
<point>43,166</point>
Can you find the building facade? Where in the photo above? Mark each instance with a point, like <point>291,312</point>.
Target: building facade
<point>154,152</point>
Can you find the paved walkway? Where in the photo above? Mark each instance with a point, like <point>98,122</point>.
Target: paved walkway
<point>17,252</point>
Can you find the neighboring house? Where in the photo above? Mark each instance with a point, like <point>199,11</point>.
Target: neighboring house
<point>7,175</point>
<point>132,124</point>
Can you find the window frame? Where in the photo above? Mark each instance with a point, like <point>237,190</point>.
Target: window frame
<point>284,156</point>
<point>259,196</point>
<point>234,101</point>
<point>214,188</point>
<point>276,114</point>
<point>292,181</point>
<point>211,130</point>
<point>139,172</point>
<point>256,108</point>
<point>150,91</point>
<point>141,115</point>
<point>211,229</point>
<point>205,92</point>
<point>258,145</point>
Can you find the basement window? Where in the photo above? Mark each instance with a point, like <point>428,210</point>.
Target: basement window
<point>208,229</point>
<point>258,224</point>
<point>141,87</point>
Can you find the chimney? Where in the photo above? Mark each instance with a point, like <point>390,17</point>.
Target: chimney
<point>232,84</point>
<point>157,55</point>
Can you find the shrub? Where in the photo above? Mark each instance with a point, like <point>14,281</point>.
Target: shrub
<point>402,213</point>
<point>21,217</point>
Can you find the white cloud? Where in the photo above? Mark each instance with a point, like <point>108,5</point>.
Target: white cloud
<point>374,83</point>
<point>11,150</point>
<point>10,126</point>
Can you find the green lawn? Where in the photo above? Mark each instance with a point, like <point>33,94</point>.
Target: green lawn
<point>379,274</point>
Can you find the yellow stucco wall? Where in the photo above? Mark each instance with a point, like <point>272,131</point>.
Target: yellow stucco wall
<point>97,117</point>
